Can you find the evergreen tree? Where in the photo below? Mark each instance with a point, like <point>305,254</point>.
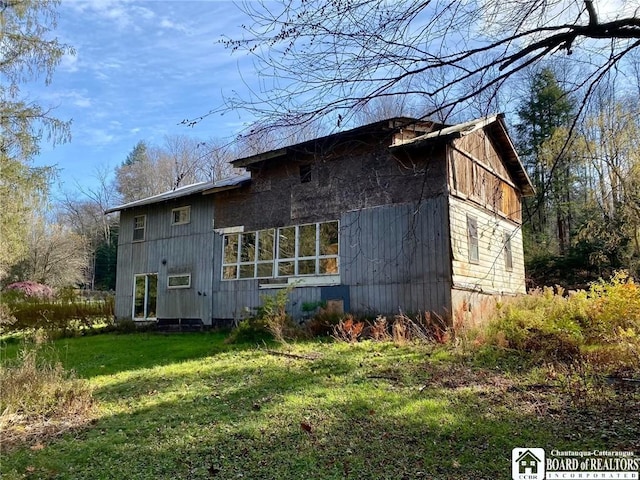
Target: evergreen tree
<point>547,109</point>
<point>28,52</point>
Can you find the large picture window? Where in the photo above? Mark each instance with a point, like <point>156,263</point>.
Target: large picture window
<point>301,250</point>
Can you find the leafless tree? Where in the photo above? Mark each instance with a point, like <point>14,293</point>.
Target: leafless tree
<point>321,58</point>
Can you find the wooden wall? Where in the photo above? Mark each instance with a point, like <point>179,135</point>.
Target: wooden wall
<point>185,248</point>
<point>489,275</point>
<point>476,173</point>
<point>392,258</point>
<point>396,257</point>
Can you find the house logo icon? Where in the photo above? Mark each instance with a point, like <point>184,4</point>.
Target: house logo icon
<point>527,464</point>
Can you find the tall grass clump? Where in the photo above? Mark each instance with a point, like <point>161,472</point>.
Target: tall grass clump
<point>39,393</point>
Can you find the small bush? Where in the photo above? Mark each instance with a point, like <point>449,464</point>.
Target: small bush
<point>274,314</point>
<point>323,323</point>
<point>424,328</point>
<point>250,330</point>
<point>380,329</point>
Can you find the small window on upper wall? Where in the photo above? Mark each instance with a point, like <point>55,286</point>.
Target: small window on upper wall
<point>305,173</point>
<point>508,254</point>
<point>139,224</point>
<point>472,237</point>
<point>180,216</point>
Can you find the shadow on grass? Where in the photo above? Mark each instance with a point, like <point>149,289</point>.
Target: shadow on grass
<point>350,413</point>
<point>110,354</point>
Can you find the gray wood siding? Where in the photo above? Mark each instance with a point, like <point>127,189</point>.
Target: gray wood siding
<point>396,257</point>
<point>392,258</point>
<point>184,248</point>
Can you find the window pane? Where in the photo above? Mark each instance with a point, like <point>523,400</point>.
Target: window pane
<point>472,232</point>
<point>306,267</point>
<point>138,222</point>
<point>285,269</point>
<point>230,273</point>
<point>231,248</point>
<point>508,256</point>
<point>328,266</point>
<point>248,247</point>
<point>265,270</point>
<point>265,244</point>
<point>329,238</point>
<point>152,295</point>
<point>246,271</point>
<point>179,281</point>
<point>138,309</point>
<point>138,227</point>
<point>307,241</point>
<point>287,243</point>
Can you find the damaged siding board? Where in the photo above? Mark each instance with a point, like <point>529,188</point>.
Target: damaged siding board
<point>490,273</point>
<point>362,178</point>
<point>486,181</point>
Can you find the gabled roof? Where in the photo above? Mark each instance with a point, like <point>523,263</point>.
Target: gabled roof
<point>498,130</point>
<point>195,188</point>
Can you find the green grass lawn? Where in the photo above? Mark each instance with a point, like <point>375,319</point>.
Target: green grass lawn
<point>191,407</point>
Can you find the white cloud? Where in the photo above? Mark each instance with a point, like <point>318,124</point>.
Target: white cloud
<point>69,63</point>
<point>170,25</point>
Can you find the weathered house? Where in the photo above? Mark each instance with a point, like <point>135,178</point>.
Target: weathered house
<point>397,215</point>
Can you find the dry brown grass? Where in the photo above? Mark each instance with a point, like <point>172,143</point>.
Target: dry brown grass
<point>39,399</point>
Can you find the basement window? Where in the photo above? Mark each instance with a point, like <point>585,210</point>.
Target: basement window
<point>305,173</point>
<point>472,238</point>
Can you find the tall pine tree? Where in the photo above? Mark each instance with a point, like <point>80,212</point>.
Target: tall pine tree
<point>544,116</point>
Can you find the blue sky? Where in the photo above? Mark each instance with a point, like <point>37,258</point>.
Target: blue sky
<point>140,68</point>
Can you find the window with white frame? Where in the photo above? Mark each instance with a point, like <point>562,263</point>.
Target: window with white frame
<point>300,250</point>
<point>180,216</point>
<point>182,280</point>
<point>508,253</point>
<point>145,296</point>
<point>472,238</point>
<point>139,225</point>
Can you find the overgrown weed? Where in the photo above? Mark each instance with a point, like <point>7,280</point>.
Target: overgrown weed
<point>39,392</point>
